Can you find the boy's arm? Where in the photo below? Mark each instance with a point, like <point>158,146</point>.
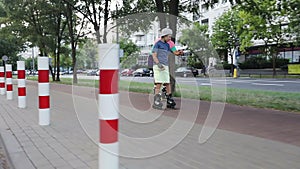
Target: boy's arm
<point>176,52</point>
<point>155,59</point>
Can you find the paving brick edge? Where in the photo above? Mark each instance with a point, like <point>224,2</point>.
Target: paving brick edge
<point>7,159</point>
<point>17,158</point>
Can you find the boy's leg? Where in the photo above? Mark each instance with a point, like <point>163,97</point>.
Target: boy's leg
<point>157,88</point>
<point>157,104</point>
<point>168,87</point>
<point>170,102</point>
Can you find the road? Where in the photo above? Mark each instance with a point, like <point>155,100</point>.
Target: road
<point>289,85</point>
<point>281,85</point>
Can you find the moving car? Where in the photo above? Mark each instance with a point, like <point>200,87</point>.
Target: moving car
<point>91,73</point>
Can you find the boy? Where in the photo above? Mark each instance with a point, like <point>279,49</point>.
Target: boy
<point>160,53</point>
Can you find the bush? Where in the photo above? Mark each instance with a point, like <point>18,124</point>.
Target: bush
<point>197,65</point>
<point>280,62</point>
<point>261,63</point>
<point>224,65</point>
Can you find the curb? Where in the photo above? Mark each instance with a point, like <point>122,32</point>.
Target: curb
<point>16,156</point>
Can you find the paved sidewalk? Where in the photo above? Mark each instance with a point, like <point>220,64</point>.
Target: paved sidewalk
<point>148,139</point>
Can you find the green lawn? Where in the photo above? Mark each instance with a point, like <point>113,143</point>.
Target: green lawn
<point>262,99</point>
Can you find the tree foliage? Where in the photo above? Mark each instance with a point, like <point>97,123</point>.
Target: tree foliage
<point>293,9</point>
<point>198,43</point>
<point>87,55</point>
<point>131,52</point>
<point>225,31</point>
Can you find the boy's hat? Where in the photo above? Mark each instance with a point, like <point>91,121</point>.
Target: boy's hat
<point>166,31</point>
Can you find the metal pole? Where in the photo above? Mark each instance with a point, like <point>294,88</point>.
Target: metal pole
<point>33,67</point>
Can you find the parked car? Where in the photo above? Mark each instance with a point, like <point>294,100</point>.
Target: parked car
<point>151,73</point>
<point>142,72</point>
<point>91,73</point>
<point>98,72</point>
<point>186,72</point>
<point>127,72</point>
<point>79,71</point>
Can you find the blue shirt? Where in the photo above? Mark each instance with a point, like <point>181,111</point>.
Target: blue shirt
<point>163,50</point>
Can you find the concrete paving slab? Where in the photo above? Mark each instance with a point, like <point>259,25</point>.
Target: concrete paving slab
<point>71,139</point>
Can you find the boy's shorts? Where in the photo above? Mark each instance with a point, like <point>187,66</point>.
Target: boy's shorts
<point>161,76</point>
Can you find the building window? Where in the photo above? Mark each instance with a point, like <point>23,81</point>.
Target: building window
<point>292,56</point>
<point>204,22</point>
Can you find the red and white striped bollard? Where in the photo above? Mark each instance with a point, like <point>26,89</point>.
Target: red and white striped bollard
<point>44,94</point>
<point>2,80</point>
<point>108,106</point>
<point>9,85</point>
<point>21,84</point>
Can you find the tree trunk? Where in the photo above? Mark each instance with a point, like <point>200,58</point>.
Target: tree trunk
<point>71,28</point>
<point>59,34</point>
<point>74,62</point>
<point>161,15</point>
<point>58,63</point>
<point>173,6</point>
<point>98,36</point>
<point>106,13</point>
<point>274,57</point>
<point>55,63</point>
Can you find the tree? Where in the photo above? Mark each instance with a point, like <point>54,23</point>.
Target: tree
<point>264,20</point>
<point>225,33</point>
<point>39,22</point>
<point>60,35</point>
<point>93,11</point>
<point>76,32</point>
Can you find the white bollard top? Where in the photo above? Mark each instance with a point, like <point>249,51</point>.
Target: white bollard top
<point>108,56</point>
<point>8,67</point>
<point>43,63</point>
<point>20,65</point>
<point>1,69</point>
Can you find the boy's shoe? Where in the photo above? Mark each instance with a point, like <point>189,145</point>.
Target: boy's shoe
<point>157,104</point>
<point>164,92</point>
<point>170,102</point>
